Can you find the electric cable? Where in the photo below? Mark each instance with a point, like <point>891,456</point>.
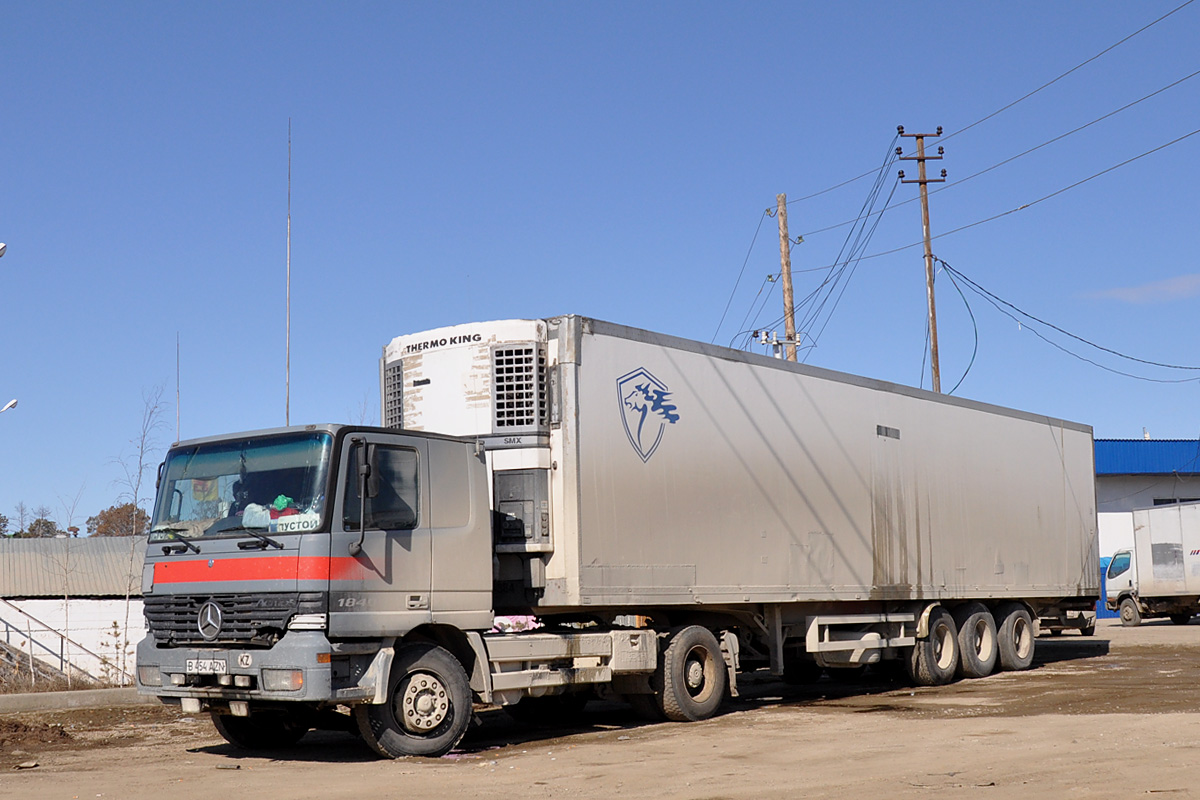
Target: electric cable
<point>740,273</point>
<point>1009,160</point>
<point>1018,100</point>
<point>1008,309</point>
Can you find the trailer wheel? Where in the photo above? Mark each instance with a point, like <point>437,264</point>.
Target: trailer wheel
<point>976,640</point>
<point>1182,618</point>
<point>428,707</point>
<point>1015,637</point>
<point>934,659</point>
<point>1131,615</point>
<point>689,683</point>
<point>263,730</point>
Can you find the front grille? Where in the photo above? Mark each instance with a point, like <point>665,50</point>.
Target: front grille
<point>254,619</point>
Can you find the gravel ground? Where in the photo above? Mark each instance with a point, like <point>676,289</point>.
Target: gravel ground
<point>1114,715</point>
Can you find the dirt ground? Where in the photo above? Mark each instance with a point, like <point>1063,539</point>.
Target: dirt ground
<point>1116,715</point>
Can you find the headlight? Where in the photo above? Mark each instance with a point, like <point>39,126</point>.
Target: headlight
<point>283,680</point>
<point>149,675</point>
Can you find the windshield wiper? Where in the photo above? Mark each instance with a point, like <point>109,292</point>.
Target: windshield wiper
<point>263,538</point>
<point>174,534</point>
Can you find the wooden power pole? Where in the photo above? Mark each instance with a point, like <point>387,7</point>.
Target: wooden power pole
<point>785,270</point>
<point>921,158</point>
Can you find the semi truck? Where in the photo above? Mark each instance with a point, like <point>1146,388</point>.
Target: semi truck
<point>670,514</point>
<point>1159,576</point>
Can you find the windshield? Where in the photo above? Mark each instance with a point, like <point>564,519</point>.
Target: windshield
<point>274,484</point>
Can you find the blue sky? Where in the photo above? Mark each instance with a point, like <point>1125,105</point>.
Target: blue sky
<point>469,161</point>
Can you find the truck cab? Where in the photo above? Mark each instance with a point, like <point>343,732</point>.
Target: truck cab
<point>1121,586</point>
<point>266,597</point>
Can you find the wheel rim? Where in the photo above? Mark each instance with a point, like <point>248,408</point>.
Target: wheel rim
<point>984,641</point>
<point>424,703</point>
<point>696,668</point>
<point>1022,637</point>
<point>943,647</point>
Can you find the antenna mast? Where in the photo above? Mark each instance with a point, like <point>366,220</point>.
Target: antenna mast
<point>287,376</point>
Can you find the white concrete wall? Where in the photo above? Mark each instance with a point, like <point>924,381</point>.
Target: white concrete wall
<point>1116,531</point>
<point>1127,492</point>
<point>97,625</point>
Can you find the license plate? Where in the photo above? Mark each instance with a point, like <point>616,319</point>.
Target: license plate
<point>206,666</point>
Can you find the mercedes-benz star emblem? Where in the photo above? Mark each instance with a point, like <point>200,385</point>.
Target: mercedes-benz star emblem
<point>209,621</point>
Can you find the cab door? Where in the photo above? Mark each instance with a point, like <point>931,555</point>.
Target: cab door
<point>381,588</point>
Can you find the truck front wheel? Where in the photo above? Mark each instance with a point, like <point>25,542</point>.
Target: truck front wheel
<point>263,730</point>
<point>428,706</point>
<point>689,684</point>
<point>1131,615</point>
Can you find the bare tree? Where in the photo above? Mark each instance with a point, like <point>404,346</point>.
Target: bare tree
<point>134,465</point>
<point>63,560</point>
<point>22,512</point>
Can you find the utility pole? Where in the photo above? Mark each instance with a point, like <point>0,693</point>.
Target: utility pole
<point>785,266</point>
<point>921,158</point>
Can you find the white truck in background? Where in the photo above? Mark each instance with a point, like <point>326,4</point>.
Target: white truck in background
<point>1159,576</point>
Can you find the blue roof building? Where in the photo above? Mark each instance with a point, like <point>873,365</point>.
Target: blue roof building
<point>1139,473</point>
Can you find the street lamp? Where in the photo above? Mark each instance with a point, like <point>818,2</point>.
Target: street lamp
<point>10,404</point>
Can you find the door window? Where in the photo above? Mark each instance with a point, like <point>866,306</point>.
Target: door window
<point>394,507</point>
<point>1118,565</point>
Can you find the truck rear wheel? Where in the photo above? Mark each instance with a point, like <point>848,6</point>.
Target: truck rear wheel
<point>934,659</point>
<point>263,730</point>
<point>428,706</point>
<point>976,640</point>
<point>1131,615</point>
<point>1182,618</point>
<point>689,683</point>
<point>1015,637</point>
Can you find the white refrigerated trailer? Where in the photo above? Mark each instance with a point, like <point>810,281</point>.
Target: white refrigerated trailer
<point>670,512</point>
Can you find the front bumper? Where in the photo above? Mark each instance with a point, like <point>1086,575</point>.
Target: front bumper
<point>237,673</point>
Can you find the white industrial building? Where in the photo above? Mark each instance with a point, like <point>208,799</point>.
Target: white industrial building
<point>73,603</point>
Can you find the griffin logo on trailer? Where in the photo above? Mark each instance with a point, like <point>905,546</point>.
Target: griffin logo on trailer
<point>645,410</point>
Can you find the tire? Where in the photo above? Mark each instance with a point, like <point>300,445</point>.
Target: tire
<point>933,661</point>
<point>977,643</point>
<point>428,708</point>
<point>1014,638</point>
<point>262,730</point>
<point>1131,615</point>
<point>1089,628</point>
<point>551,710</point>
<point>689,683</point>
<point>1182,618</point>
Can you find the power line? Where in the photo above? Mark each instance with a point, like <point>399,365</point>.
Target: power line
<point>1072,69</point>
<point>1030,204</point>
<point>1024,97</point>
<point>973,285</point>
<point>1033,149</point>
<point>749,250</point>
<point>1010,310</point>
